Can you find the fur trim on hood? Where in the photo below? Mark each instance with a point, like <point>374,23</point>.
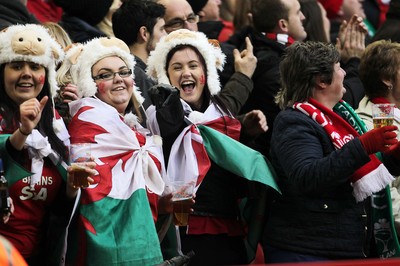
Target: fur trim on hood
<point>82,59</point>
<point>32,43</point>
<point>212,54</point>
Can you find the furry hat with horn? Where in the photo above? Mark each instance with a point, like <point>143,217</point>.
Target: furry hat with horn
<point>82,59</point>
<point>31,43</point>
<point>213,56</point>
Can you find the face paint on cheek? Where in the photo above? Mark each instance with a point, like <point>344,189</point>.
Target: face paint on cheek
<point>202,80</point>
<point>42,79</point>
<point>101,87</point>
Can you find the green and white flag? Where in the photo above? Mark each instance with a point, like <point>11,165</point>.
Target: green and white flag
<point>115,225</point>
<point>237,158</point>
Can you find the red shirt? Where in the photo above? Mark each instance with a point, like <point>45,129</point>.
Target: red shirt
<point>198,225</point>
<point>25,227</point>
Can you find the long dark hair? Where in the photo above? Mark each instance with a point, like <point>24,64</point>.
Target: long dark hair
<point>313,23</point>
<point>207,97</point>
<point>9,110</point>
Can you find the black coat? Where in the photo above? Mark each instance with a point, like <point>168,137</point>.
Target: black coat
<point>266,80</point>
<point>218,194</point>
<point>79,30</point>
<point>142,81</point>
<point>14,12</point>
<point>317,213</point>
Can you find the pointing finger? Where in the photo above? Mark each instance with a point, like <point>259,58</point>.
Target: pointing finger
<point>249,45</point>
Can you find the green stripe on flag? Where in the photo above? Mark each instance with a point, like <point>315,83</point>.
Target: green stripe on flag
<point>250,164</point>
<point>125,232</point>
<point>238,158</point>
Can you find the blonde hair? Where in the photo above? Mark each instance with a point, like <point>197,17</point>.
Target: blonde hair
<point>58,33</point>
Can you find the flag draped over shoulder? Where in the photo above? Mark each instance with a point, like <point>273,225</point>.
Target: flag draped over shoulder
<point>250,164</point>
<point>115,220</point>
<point>214,135</point>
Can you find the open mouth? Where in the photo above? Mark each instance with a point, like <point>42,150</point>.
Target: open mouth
<point>188,86</point>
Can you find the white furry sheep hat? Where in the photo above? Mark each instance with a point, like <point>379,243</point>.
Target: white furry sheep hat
<point>32,43</point>
<point>213,56</point>
<point>82,58</point>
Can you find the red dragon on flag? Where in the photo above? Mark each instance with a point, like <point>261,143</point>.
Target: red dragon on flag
<point>115,221</point>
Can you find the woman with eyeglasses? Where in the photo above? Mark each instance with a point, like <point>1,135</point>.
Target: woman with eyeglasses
<point>115,223</point>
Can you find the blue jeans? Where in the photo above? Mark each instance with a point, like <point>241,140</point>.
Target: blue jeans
<point>276,255</point>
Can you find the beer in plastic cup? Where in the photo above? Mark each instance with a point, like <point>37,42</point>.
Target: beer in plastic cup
<point>383,114</point>
<point>79,154</point>
<point>182,194</point>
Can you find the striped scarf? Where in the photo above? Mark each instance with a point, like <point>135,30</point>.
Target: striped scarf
<point>371,177</point>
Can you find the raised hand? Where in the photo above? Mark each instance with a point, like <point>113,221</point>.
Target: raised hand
<point>161,93</point>
<point>69,93</point>
<point>351,38</point>
<point>30,114</point>
<point>245,61</point>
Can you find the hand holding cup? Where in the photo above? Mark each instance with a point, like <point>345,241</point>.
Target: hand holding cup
<point>182,200</point>
<point>81,166</point>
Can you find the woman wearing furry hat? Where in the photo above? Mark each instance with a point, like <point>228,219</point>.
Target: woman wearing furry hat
<point>185,64</point>
<point>115,223</point>
<point>33,137</point>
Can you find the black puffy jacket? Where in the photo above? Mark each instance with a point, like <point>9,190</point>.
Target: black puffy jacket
<point>317,213</point>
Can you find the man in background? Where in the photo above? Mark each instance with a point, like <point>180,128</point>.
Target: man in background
<point>140,24</point>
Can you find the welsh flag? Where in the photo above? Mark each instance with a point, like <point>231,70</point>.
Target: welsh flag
<point>115,222</point>
<point>250,164</point>
<point>212,135</point>
<point>237,158</point>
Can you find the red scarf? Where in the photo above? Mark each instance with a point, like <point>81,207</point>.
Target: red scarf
<point>378,100</point>
<point>281,38</point>
<point>372,176</point>
<point>383,9</point>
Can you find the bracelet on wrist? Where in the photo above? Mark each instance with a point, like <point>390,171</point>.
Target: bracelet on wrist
<point>23,133</point>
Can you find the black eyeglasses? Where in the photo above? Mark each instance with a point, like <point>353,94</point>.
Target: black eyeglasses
<point>111,75</point>
<point>178,23</point>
